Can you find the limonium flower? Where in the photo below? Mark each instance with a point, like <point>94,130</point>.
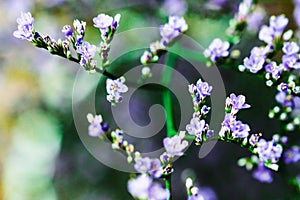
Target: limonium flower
<point>274,70</point>
<point>114,89</point>
<point>25,26</point>
<point>80,30</point>
<point>290,57</point>
<point>106,24</point>
<point>263,174</point>
<point>174,28</point>
<point>175,145</point>
<point>274,30</point>
<point>237,128</point>
<point>200,90</point>
<point>68,31</point>
<point>196,126</point>
<point>96,127</point>
<point>254,138</point>
<point>292,155</point>
<point>87,52</point>
<point>217,49</point>
<point>143,187</point>
<point>236,103</point>
<point>151,166</point>
<point>268,151</point>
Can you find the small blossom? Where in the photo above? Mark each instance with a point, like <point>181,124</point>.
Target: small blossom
<point>292,155</point>
<point>240,130</point>
<point>152,166</point>
<point>254,138</point>
<point>87,52</point>
<point>146,57</point>
<point>96,127</point>
<point>274,70</point>
<point>200,91</point>
<point>254,64</point>
<point>25,26</point>
<point>114,89</point>
<point>68,31</point>
<point>263,174</point>
<point>168,33</point>
<point>217,49</point>
<point>290,48</point>
<point>269,151</point>
<point>79,26</point>
<point>103,21</point>
<point>178,23</point>
<point>143,187</point>
<point>236,103</point>
<point>266,34</point>
<point>175,145</point>
<point>196,126</point>
<point>278,23</point>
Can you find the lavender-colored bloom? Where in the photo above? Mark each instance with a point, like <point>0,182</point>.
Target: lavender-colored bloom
<point>254,138</point>
<point>236,102</point>
<point>200,90</point>
<point>284,99</point>
<point>205,110</point>
<point>114,89</point>
<point>96,127</point>
<point>196,126</point>
<point>157,192</point>
<point>263,174</point>
<point>226,124</point>
<point>143,187</point>
<point>290,61</point>
<point>152,166</point>
<point>266,34</point>
<point>68,31</point>
<point>168,33</point>
<point>87,52</point>
<point>175,145</point>
<point>278,23</point>
<point>139,187</point>
<point>239,130</point>
<point>217,49</point>
<point>274,70</point>
<point>25,26</point>
<point>79,26</point>
<point>103,21</point>
<point>292,155</point>
<point>269,151</point>
<point>290,48</point>
<point>178,23</point>
<point>254,64</point>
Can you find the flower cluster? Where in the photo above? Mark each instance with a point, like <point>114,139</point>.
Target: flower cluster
<point>197,126</point>
<point>147,165</point>
<point>269,151</point>
<point>87,52</point>
<point>143,187</point>
<point>25,27</point>
<point>290,58</point>
<point>174,146</point>
<point>262,173</point>
<point>114,89</point>
<point>217,49</point>
<point>169,32</point>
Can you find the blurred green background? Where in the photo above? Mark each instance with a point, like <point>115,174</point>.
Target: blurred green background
<point>42,157</point>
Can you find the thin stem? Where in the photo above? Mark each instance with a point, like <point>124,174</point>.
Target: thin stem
<point>167,99</point>
<point>168,185</point>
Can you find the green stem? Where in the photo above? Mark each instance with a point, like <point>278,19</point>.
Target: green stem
<point>170,61</point>
<point>168,185</point>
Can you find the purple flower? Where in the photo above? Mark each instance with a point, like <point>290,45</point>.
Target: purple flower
<point>178,23</point>
<point>278,23</point>
<point>290,48</point>
<point>217,49</point>
<point>200,90</point>
<point>79,26</point>
<point>284,99</point>
<point>274,70</point>
<point>254,138</point>
<point>269,151</point>
<point>96,127</point>
<point>87,52</point>
<point>254,64</point>
<point>25,26</point>
<point>168,33</point>
<point>68,31</point>
<point>103,21</point>
<point>142,187</point>
<point>292,155</point>
<point>236,103</point>
<point>266,34</point>
<point>114,89</point>
<point>175,145</point>
<point>263,174</point>
<point>152,166</point>
<point>290,61</point>
<point>196,126</point>
<point>239,130</point>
